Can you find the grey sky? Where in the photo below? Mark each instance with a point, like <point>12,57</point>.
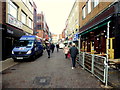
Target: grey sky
<point>56,13</point>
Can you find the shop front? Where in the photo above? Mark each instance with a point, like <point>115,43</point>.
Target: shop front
<point>10,36</point>
<point>102,35</point>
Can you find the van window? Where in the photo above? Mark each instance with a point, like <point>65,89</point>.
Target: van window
<point>23,43</point>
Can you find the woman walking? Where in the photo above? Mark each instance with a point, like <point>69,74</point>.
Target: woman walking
<point>66,50</point>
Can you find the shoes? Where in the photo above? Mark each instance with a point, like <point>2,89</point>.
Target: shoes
<point>48,57</point>
<point>72,67</point>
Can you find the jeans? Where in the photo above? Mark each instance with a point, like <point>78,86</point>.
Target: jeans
<point>48,51</point>
<point>57,49</point>
<point>73,61</point>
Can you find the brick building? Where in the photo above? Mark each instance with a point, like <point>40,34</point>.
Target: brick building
<point>99,27</point>
<point>42,27</point>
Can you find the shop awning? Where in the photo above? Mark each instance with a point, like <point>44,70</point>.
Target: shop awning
<point>96,27</point>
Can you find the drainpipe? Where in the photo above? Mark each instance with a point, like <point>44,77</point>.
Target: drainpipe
<point>106,61</point>
<point>79,46</point>
<point>108,36</point>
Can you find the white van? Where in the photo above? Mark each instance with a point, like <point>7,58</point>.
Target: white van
<point>61,45</point>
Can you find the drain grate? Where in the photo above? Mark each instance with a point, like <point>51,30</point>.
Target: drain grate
<point>42,80</point>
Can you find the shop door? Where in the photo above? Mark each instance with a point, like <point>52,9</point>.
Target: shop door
<point>111,48</point>
<point>7,47</point>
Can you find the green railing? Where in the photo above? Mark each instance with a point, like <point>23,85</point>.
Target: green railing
<point>97,65</point>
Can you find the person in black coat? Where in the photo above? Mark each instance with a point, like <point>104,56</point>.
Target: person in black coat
<point>57,46</point>
<point>73,54</point>
<point>48,49</point>
<point>52,46</point>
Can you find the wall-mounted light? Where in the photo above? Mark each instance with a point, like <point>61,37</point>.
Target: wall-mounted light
<point>113,27</point>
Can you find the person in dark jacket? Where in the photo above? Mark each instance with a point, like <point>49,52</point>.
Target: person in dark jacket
<point>73,54</point>
<point>48,49</point>
<point>52,46</point>
<point>57,46</point>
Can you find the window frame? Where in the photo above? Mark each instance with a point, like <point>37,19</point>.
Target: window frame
<point>22,14</point>
<point>84,12</point>
<point>95,3</point>
<point>89,6</point>
<point>14,6</point>
<point>30,23</point>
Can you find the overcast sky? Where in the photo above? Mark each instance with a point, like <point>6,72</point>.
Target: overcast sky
<point>56,13</point>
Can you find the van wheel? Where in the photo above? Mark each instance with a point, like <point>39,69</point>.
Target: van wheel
<point>15,60</point>
<point>41,53</point>
<point>33,57</point>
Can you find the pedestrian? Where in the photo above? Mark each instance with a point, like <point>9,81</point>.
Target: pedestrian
<point>57,46</point>
<point>48,49</point>
<point>44,46</point>
<point>66,50</point>
<point>73,54</point>
<point>52,46</point>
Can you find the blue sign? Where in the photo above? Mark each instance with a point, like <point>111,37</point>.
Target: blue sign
<point>75,37</point>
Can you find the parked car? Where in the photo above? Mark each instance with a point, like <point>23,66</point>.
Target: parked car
<point>61,45</point>
<point>28,47</point>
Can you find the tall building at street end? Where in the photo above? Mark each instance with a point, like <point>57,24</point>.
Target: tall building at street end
<point>42,29</point>
<point>54,38</point>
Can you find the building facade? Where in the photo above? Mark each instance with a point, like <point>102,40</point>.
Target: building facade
<point>17,20</point>
<point>42,27</point>
<point>72,23</point>
<point>54,38</point>
<point>1,30</point>
<point>99,27</point>
<point>34,18</point>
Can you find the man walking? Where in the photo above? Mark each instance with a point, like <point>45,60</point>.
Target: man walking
<point>48,49</point>
<point>52,46</point>
<point>73,54</point>
<point>57,46</point>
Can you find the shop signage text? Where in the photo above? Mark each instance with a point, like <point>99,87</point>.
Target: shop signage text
<point>13,21</point>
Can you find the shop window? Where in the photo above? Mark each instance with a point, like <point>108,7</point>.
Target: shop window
<point>12,9</point>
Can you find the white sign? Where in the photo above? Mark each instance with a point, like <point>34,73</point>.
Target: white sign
<point>13,21</point>
<point>9,31</point>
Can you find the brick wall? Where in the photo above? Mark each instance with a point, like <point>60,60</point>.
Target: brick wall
<point>40,33</point>
<point>95,11</point>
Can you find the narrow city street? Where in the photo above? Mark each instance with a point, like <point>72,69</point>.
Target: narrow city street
<point>44,72</point>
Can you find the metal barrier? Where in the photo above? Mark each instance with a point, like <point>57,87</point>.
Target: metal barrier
<point>99,67</point>
<point>80,61</point>
<point>95,64</point>
<point>88,62</point>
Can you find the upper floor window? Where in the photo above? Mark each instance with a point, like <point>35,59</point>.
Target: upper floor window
<point>95,3</point>
<point>30,7</point>
<point>89,6</point>
<point>84,12</point>
<point>30,23</point>
<point>23,17</point>
<point>25,1</point>
<point>12,9</point>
